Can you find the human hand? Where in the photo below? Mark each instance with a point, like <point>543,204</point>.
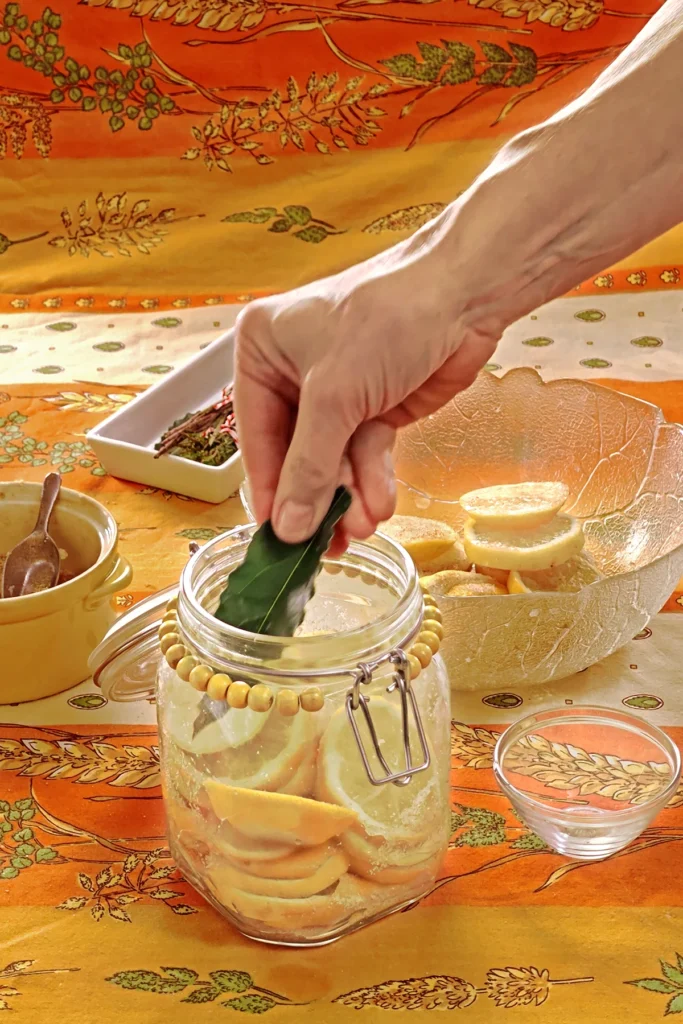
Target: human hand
<point>327,373</point>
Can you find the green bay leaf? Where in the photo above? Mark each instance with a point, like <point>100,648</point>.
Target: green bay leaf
<point>267,594</point>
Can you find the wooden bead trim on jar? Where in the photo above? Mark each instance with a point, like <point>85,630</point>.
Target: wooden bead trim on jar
<point>259,697</point>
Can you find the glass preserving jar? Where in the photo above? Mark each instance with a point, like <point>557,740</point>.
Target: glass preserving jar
<point>305,779</point>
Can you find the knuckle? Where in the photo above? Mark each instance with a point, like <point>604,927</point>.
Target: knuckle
<point>253,321</point>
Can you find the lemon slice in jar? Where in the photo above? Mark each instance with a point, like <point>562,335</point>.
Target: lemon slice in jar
<point>226,877</point>
<point>511,506</point>
<point>389,863</point>
<point>273,757</point>
<point>394,813</point>
<point>269,760</point>
<point>297,862</point>
<point>246,852</point>
<point>540,548</point>
<point>232,729</point>
<point>349,896</point>
<point>278,817</point>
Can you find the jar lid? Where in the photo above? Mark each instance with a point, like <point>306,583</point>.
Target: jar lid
<point>124,665</point>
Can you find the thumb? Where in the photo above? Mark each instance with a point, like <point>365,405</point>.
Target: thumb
<point>312,466</point>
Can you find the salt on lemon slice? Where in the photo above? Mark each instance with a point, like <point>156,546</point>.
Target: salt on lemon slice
<point>278,817</point>
<point>541,548</point>
<point>423,539</point>
<point>509,506</point>
<point>491,589</point>
<point>399,813</point>
<point>226,877</point>
<point>388,864</point>
<point>570,577</point>
<point>451,581</point>
<point>453,557</point>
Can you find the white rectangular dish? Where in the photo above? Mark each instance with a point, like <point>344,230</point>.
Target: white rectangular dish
<point>124,442</point>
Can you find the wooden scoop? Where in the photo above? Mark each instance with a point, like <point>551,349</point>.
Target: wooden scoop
<point>34,563</point>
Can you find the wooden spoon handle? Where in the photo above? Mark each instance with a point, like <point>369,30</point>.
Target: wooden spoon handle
<point>51,486</point>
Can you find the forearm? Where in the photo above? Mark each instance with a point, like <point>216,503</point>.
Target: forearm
<point>569,197</point>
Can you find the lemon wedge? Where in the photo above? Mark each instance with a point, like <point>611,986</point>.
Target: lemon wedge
<point>423,539</point>
<point>278,817</point>
<point>397,813</point>
<point>226,877</point>
<point>540,548</point>
<point>511,506</point>
<point>572,576</point>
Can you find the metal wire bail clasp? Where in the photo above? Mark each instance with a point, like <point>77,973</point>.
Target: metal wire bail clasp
<point>356,700</point>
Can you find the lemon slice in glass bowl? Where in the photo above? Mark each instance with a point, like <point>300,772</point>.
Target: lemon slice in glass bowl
<point>423,539</point>
<point>570,577</point>
<point>541,548</point>
<point>515,505</point>
<point>455,583</point>
<point>395,813</point>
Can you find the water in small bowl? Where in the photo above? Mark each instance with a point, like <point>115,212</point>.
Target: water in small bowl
<point>587,780</point>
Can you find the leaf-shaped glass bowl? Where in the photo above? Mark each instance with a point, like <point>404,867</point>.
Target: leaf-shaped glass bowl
<point>623,464</point>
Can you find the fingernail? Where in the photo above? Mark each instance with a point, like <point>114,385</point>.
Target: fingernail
<point>294,522</point>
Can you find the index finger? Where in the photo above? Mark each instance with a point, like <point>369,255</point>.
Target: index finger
<point>264,424</point>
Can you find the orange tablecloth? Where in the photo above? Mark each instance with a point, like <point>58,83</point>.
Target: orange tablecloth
<point>148,187</point>
<point>96,923</point>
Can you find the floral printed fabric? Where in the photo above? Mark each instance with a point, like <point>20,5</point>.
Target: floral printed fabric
<point>162,162</point>
<point>163,154</point>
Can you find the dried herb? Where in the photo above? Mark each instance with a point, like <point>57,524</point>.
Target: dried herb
<point>268,592</point>
<point>208,436</point>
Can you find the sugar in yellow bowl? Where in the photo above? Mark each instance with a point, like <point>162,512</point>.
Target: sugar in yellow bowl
<point>46,638</point>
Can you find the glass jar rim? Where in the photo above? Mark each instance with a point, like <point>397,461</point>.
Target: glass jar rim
<point>586,713</point>
<point>402,619</point>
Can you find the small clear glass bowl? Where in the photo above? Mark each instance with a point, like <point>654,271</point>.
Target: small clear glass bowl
<point>587,780</point>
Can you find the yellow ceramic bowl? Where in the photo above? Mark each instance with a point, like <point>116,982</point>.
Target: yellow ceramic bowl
<point>623,464</point>
<point>46,638</point>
